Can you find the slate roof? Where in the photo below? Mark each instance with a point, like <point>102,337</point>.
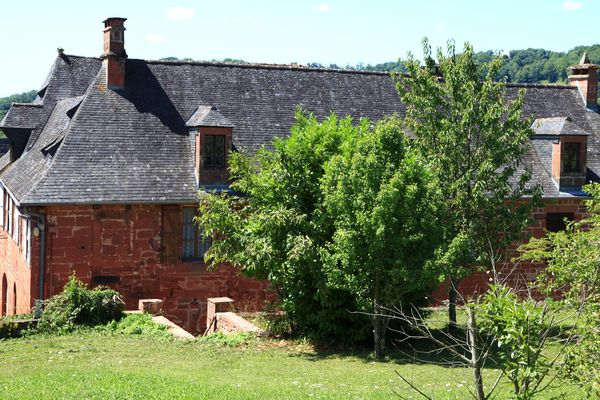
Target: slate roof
<point>23,115</point>
<point>557,126</point>
<point>94,145</point>
<point>208,116</point>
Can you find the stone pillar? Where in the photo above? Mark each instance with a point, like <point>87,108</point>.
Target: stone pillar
<point>215,305</point>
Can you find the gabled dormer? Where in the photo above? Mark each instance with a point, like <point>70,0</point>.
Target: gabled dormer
<point>568,150</point>
<point>212,135</point>
<point>17,125</point>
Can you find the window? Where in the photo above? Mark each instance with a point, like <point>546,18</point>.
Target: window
<point>571,157</point>
<point>556,222</point>
<point>194,242</point>
<point>28,241</point>
<point>9,210</point>
<point>214,151</point>
<point>15,225</point>
<point>1,208</point>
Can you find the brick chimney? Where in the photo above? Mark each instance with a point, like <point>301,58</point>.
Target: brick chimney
<point>114,55</point>
<point>585,77</point>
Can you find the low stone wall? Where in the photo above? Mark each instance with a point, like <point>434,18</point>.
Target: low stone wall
<point>229,322</point>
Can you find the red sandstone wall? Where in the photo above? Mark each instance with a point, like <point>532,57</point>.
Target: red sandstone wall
<point>14,266</point>
<point>517,274</point>
<point>124,241</point>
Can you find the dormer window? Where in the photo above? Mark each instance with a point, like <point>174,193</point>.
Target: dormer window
<point>566,144</point>
<point>214,151</point>
<point>213,136</point>
<point>571,158</point>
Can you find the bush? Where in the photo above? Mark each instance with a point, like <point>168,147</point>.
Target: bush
<point>77,305</point>
<point>8,329</point>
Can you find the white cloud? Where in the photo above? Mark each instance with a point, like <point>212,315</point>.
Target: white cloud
<point>440,26</point>
<point>323,8</point>
<point>155,38</point>
<point>571,5</point>
<point>180,13</point>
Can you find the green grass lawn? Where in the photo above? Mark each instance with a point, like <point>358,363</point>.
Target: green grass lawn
<point>93,365</point>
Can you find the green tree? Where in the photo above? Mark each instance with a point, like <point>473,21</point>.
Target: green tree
<point>383,202</point>
<point>274,227</point>
<point>475,140</point>
<point>340,218</point>
<point>573,259</point>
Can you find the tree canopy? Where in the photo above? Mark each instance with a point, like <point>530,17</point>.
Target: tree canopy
<point>475,140</point>
<point>339,217</point>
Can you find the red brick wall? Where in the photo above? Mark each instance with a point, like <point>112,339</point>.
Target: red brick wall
<point>516,274</point>
<point>124,241</point>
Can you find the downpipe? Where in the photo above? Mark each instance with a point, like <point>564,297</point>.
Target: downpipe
<point>40,220</point>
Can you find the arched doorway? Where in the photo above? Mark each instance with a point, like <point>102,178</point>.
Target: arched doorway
<point>4,299</point>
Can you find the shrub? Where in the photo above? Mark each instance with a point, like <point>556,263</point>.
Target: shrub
<point>79,305</point>
<point>8,329</point>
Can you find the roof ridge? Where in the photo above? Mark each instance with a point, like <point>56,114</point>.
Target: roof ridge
<point>294,67</point>
<point>76,56</point>
<point>540,85</point>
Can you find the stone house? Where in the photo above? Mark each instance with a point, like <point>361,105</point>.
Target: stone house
<point>104,167</point>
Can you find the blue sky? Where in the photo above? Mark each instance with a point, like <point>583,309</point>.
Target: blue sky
<point>284,31</point>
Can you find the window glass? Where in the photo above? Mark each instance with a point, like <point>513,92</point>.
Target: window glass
<point>194,242</point>
<point>571,157</point>
<point>209,144</point>
<point>214,150</point>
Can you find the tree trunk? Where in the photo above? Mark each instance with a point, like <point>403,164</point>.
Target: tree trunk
<point>452,296</point>
<point>378,332</point>
<point>475,356</point>
<point>378,322</point>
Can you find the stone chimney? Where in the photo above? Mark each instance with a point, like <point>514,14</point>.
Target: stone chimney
<point>585,77</point>
<point>114,55</point>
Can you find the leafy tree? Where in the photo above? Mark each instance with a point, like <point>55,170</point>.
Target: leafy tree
<point>475,140</point>
<point>573,259</point>
<point>336,218</point>
<point>383,202</point>
<point>274,228</point>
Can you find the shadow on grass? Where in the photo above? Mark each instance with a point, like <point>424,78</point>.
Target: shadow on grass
<point>399,351</point>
